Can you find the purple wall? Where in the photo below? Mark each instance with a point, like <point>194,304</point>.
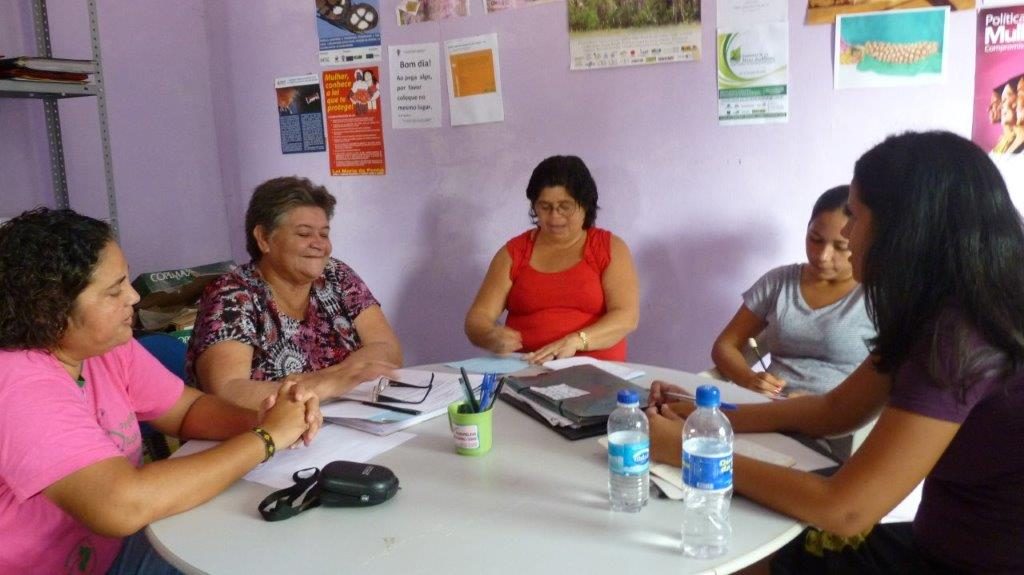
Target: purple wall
<point>160,107</point>
<point>705,209</point>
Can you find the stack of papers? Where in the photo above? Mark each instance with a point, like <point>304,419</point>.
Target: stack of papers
<point>357,410</point>
<point>47,69</point>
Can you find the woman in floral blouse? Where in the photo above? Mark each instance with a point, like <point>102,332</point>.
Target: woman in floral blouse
<point>293,313</point>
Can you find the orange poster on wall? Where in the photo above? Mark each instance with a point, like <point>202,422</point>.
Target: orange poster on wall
<point>355,137</point>
<point>473,73</point>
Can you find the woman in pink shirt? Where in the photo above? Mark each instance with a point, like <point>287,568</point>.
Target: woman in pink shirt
<point>74,386</point>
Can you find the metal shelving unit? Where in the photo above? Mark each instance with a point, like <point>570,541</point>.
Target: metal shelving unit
<point>50,93</point>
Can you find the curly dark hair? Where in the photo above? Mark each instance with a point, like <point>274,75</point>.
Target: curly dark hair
<point>274,198</point>
<point>572,174</point>
<point>46,259</point>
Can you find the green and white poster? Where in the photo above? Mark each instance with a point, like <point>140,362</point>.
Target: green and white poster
<point>753,74</point>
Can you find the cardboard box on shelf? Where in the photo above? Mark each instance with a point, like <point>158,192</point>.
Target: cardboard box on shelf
<point>169,297</point>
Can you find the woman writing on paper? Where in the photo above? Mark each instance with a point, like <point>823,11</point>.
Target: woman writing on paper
<point>569,287</point>
<point>938,246</point>
<point>292,312</point>
<point>811,316</point>
<point>74,493</point>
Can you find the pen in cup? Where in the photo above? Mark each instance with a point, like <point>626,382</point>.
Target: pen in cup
<point>485,390</point>
<point>468,388</point>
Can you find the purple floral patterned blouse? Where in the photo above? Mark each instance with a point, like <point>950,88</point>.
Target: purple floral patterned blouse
<point>239,306</point>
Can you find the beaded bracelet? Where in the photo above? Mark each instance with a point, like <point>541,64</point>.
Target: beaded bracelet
<point>268,442</point>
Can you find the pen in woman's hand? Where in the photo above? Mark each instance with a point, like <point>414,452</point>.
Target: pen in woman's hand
<point>753,345</point>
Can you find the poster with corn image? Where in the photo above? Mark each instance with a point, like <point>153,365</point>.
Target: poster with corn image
<point>903,48</point>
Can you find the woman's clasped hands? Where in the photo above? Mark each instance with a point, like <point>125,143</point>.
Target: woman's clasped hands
<point>292,415</point>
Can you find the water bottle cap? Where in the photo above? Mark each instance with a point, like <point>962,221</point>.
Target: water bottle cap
<point>708,396</point>
<point>628,397</point>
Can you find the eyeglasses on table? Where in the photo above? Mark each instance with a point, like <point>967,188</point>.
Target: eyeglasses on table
<point>408,394</point>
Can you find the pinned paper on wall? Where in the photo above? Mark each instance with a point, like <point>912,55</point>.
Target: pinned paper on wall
<point>753,74</point>
<point>355,136</point>
<point>607,35</point>
<point>999,84</point>
<point>885,49</point>
<point>417,11</point>
<point>348,31</point>
<point>300,114</point>
<point>474,80</point>
<point>828,11</point>
<point>499,5</point>
<point>752,53</point>
<point>415,85</point>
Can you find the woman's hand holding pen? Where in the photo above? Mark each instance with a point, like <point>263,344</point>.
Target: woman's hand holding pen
<point>763,382</point>
<point>670,400</point>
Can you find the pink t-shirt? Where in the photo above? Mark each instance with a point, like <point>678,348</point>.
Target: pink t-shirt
<point>52,426</point>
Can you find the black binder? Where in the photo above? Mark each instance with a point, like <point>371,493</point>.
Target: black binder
<point>589,413</point>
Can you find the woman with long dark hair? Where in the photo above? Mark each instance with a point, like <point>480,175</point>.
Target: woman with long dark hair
<point>939,248</point>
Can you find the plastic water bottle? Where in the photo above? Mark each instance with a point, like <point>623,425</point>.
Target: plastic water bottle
<point>707,477</point>
<point>629,448</point>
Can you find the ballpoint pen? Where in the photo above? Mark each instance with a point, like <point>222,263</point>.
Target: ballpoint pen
<point>485,390</point>
<point>468,388</point>
<point>676,395</point>
<point>497,392</point>
<point>753,345</point>
<point>390,407</point>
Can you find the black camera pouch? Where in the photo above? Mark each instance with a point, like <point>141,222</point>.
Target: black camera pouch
<point>338,484</point>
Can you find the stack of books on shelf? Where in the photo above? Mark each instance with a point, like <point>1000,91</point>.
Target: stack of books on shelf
<point>32,69</point>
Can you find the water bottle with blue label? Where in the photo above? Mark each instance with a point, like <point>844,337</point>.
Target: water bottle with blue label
<point>629,448</point>
<point>707,477</point>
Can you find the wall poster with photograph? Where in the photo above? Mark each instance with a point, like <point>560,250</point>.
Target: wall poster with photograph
<point>499,5</point>
<point>348,31</point>
<point>826,11</point>
<point>999,81</point>
<point>417,11</point>
<point>300,114</point>
<point>611,33</point>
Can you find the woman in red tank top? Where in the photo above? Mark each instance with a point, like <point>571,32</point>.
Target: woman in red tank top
<point>569,287</point>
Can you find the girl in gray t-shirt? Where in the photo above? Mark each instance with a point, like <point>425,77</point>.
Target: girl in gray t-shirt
<point>810,317</point>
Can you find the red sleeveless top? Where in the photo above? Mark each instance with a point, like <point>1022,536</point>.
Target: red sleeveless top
<point>545,307</point>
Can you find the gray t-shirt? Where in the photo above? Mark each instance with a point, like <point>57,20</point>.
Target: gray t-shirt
<point>813,350</point>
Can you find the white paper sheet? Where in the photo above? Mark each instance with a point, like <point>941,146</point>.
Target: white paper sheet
<point>415,85</point>
<point>474,80</point>
<point>331,444</point>
<point>618,370</point>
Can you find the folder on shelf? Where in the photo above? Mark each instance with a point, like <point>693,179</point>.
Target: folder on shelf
<point>41,76</point>
<point>50,65</point>
<point>575,402</point>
